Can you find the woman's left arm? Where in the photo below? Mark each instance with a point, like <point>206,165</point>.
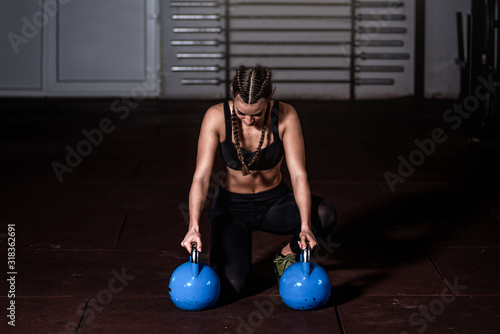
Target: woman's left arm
<point>293,143</point>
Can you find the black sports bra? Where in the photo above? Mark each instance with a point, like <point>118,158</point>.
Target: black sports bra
<point>269,156</point>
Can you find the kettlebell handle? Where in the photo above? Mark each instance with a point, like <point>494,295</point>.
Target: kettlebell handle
<point>194,253</point>
<point>306,254</point>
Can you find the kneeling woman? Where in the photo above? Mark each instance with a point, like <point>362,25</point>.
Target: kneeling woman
<point>253,133</point>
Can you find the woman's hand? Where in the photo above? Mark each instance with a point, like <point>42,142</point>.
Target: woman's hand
<point>192,236</point>
<point>307,236</point>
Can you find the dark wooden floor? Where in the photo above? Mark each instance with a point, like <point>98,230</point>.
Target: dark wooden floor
<point>95,249</point>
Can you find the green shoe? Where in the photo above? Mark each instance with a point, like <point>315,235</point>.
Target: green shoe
<point>282,262</point>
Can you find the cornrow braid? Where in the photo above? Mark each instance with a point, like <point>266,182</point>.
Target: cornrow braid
<point>236,129</point>
<point>237,80</point>
<point>265,84</point>
<point>252,83</point>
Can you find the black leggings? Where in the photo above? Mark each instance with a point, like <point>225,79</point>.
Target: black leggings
<point>234,216</point>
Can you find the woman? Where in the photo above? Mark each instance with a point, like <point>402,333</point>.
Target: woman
<point>253,133</point>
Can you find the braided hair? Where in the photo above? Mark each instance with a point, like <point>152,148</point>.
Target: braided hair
<point>251,84</point>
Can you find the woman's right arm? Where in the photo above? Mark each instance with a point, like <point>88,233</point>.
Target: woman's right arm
<point>207,147</point>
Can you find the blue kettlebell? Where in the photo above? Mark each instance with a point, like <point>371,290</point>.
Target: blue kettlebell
<point>305,285</point>
<point>194,286</point>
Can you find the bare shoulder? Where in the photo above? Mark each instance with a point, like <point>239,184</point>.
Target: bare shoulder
<point>214,118</point>
<point>215,112</point>
<point>288,115</point>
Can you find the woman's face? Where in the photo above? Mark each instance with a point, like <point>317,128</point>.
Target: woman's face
<point>250,114</point>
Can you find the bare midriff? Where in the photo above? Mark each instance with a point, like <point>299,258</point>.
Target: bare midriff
<point>257,181</point>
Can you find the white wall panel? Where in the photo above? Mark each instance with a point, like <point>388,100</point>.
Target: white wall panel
<point>172,87</point>
<point>97,42</point>
<point>82,48</point>
<point>404,80</point>
<point>104,48</point>
<point>442,74</point>
<point>20,45</point>
<point>316,61</point>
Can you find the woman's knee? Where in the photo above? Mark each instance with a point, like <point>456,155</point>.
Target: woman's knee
<point>237,282</point>
<point>327,215</point>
